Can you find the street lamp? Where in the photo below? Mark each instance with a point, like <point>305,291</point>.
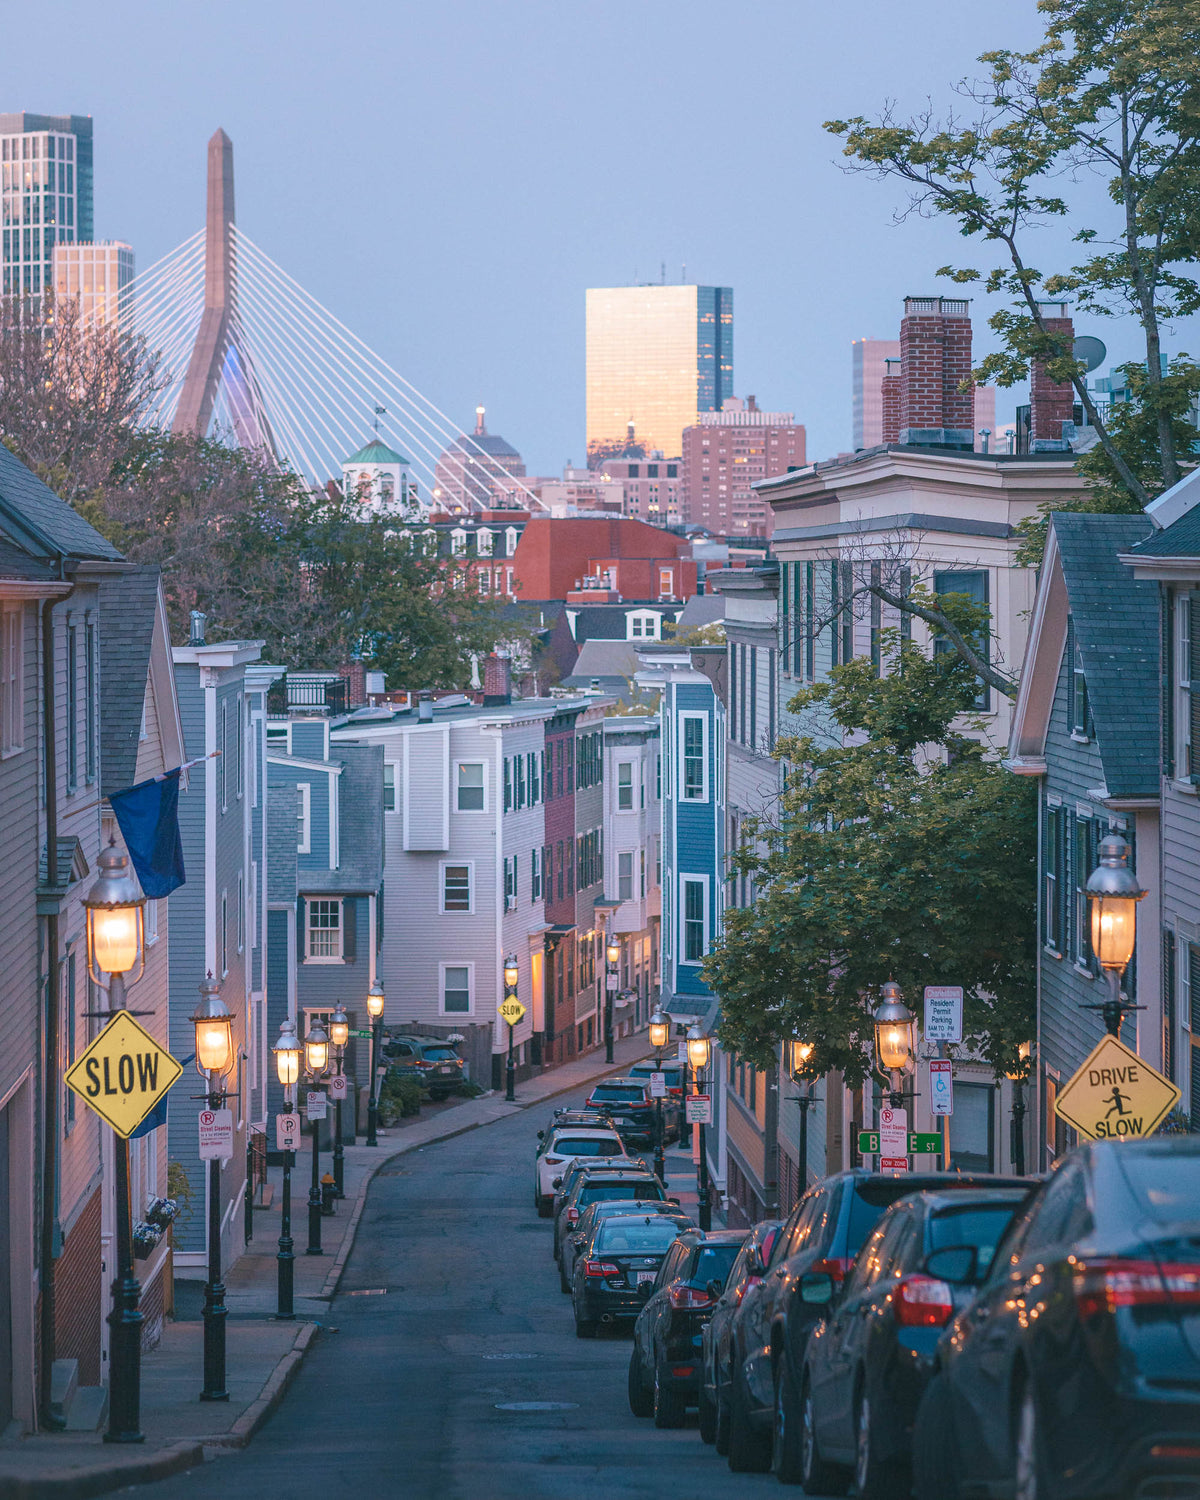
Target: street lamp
<point>800,1052</point>
<point>288,1053</point>
<point>316,1059</point>
<point>214,1059</point>
<point>894,1039</point>
<point>113,911</point>
<point>698,1051</point>
<point>1017,1076</point>
<point>1113,894</point>
<point>375,1011</point>
<point>660,1030</point>
<point>339,1035</point>
<point>512,974</point>
<point>612,956</point>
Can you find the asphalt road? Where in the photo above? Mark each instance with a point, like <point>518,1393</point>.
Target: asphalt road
<point>450,1311</point>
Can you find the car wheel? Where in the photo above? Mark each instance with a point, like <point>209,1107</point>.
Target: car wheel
<point>785,1429</point>
<point>564,1285</point>
<point>749,1450</point>
<point>874,1480</point>
<point>708,1415</point>
<point>669,1409</point>
<point>1029,1475</point>
<point>544,1206</point>
<point>721,1440</point>
<point>641,1401</point>
<point>935,1450</point>
<point>817,1476</point>
<point>585,1328</point>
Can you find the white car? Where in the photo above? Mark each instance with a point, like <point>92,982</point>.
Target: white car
<point>564,1144</point>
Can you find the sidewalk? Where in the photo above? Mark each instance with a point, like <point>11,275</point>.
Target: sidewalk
<point>262,1354</point>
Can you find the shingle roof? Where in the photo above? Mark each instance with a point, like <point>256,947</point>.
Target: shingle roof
<point>1116,621</point>
<point>606,622</point>
<point>1180,539</point>
<point>606,659</point>
<point>360,823</point>
<point>38,519</point>
<point>15,562</point>
<point>127,608</point>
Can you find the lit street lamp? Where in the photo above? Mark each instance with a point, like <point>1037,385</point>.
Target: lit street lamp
<point>375,1011</point>
<point>698,1051</point>
<point>1016,1077</point>
<point>612,956</point>
<point>894,1041</point>
<point>660,1030</point>
<point>339,1035</point>
<point>116,947</point>
<point>1113,894</point>
<point>799,1054</point>
<point>288,1052</point>
<point>512,974</point>
<point>316,1060</point>
<point>214,1059</point>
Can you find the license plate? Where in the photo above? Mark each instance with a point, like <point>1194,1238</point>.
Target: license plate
<point>644,1276</point>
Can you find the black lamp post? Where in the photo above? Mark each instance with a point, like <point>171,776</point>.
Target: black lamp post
<point>214,1059</point>
<point>116,947</point>
<point>316,1060</point>
<point>375,999</point>
<point>698,1051</point>
<point>288,1053</point>
<point>894,1024</point>
<point>801,1051</point>
<point>339,1035</point>
<point>660,1030</point>
<point>1113,894</point>
<point>1017,1077</point>
<point>512,974</point>
<point>612,956</point>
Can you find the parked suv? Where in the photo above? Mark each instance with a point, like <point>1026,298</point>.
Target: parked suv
<point>431,1061</point>
<point>634,1113</point>
<point>559,1149</point>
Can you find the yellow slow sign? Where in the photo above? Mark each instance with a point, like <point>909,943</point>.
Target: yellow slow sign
<point>123,1074</point>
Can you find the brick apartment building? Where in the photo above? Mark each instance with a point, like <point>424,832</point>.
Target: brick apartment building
<point>724,454</point>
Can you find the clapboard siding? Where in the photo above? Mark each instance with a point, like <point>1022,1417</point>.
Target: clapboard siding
<point>426,788</point>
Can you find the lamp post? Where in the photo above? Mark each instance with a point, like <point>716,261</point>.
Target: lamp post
<point>612,956</point>
<point>214,1059</point>
<point>1113,894</point>
<point>316,1060</point>
<point>115,948</point>
<point>660,1030</point>
<point>375,1011</point>
<point>894,1024</point>
<point>339,1035</point>
<point>288,1052</point>
<point>511,976</point>
<point>1017,1076</point>
<point>800,1052</point>
<point>698,1049</point>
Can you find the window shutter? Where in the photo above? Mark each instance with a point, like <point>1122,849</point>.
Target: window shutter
<point>1069,673</point>
<point>1194,989</point>
<point>1193,727</point>
<point>301,918</point>
<point>1166,679</point>
<point>350,929</point>
<point>1168,1003</point>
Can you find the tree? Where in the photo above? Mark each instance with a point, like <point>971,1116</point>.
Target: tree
<point>905,854</point>
<point>1112,90</point>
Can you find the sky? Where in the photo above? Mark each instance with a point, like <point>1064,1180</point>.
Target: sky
<point>449,177</point>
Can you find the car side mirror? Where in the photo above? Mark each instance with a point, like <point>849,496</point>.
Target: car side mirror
<point>715,1288</point>
<point>675,1201</point>
<point>754,1264</point>
<point>557,1182</point>
<point>817,1289</point>
<point>957,1264</point>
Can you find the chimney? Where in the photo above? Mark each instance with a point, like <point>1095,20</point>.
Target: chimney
<point>751,403</point>
<point>199,621</point>
<point>354,675</point>
<point>497,680</point>
<point>424,708</point>
<point>890,390</point>
<point>1051,402</point>
<point>935,357</point>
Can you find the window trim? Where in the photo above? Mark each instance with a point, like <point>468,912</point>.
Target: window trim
<point>456,864</point>
<point>324,958</point>
<point>394,767</point>
<point>685,716</point>
<point>625,765</point>
<point>304,843</point>
<point>706,938</point>
<point>470,968</point>
<point>625,854</point>
<point>458,765</point>
<point>12,678</point>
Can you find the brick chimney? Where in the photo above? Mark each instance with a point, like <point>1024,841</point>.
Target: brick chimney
<point>935,356</point>
<point>1051,403</point>
<point>497,680</point>
<point>890,389</point>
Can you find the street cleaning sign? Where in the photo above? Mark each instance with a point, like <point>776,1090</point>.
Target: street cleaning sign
<point>123,1074</point>
<point>511,1010</point>
<point>1116,1095</point>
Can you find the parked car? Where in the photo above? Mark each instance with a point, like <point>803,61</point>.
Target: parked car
<point>758,1412</point>
<point>431,1061</point>
<point>562,1145</point>
<point>664,1364</point>
<point>672,1068</point>
<point>1075,1371</point>
<point>870,1359</point>
<point>634,1114</point>
<point>613,1170</point>
<point>748,1270</point>
<point>588,1118</point>
<point>605,1208</point>
<point>616,1268</point>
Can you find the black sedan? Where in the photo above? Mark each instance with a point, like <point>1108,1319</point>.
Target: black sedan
<point>748,1270</point>
<point>664,1366</point>
<point>1075,1372</point>
<point>616,1269</point>
<point>869,1361</point>
<point>604,1209</point>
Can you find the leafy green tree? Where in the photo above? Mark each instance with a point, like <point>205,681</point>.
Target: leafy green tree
<point>905,852</point>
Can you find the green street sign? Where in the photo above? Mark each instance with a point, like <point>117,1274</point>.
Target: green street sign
<point>918,1144</point>
<point>363,1036</point>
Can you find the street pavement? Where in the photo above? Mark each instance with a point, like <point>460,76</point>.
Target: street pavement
<point>447,1320</point>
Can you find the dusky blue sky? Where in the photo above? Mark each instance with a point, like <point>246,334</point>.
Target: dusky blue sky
<point>448,177</point>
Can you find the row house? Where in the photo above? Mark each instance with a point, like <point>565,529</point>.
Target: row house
<point>632,854</point>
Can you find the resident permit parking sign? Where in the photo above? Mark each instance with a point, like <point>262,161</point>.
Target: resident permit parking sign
<point>1116,1095</point>
<point>123,1074</point>
<point>698,1109</point>
<point>943,1013</point>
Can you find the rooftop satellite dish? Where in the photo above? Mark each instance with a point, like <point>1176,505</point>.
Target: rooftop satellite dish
<point>1090,350</point>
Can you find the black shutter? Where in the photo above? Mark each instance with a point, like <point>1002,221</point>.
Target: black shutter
<point>301,918</point>
<point>1168,1003</point>
<point>1069,670</point>
<point>350,929</point>
<point>1194,989</point>
<point>1193,728</point>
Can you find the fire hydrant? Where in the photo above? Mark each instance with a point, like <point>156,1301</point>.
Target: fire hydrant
<point>328,1194</point>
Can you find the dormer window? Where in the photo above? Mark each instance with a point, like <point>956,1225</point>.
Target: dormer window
<point>484,542</point>
<point>387,489</point>
<point>644,625</point>
<point>510,541</point>
<point>458,542</point>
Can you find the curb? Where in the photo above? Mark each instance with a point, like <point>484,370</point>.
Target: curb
<point>145,1468</point>
<point>269,1397</point>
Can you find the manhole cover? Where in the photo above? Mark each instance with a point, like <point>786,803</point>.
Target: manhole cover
<point>512,1356</point>
<point>536,1405</point>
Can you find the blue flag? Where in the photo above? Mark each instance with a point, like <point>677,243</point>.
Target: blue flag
<point>148,817</point>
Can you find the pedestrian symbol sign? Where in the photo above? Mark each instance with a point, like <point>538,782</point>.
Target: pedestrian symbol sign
<point>1116,1095</point>
<point>512,1010</point>
<point>123,1074</point>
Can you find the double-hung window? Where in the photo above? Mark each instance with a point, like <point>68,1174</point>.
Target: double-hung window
<point>510,882</point>
<point>303,818</point>
<point>694,920</point>
<point>456,888</point>
<point>389,786</point>
<point>456,989</point>
<point>625,875</point>
<point>625,786</point>
<point>520,762</point>
<point>12,662</point>
<point>324,928</point>
<point>973,583</point>
<point>535,875</point>
<point>72,708</point>
<point>470,786</point>
<point>535,777</point>
<point>1054,883</point>
<point>694,769</point>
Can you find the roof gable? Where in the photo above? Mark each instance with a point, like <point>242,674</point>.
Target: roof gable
<point>34,515</point>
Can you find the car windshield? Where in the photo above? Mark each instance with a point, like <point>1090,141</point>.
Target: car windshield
<point>439,1054</point>
<point>975,1224</point>
<point>715,1263</point>
<point>1166,1187</point>
<point>587,1145</point>
<point>611,1093</point>
<point>867,1201</point>
<point>597,1191</point>
<point>637,1236</point>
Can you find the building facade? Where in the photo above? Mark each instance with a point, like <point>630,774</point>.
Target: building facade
<point>45,195</point>
<point>725,454</point>
<point>97,277</point>
<point>868,366</point>
<point>632,856</point>
<point>477,472</point>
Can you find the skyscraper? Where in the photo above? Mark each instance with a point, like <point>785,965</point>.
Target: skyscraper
<point>867,371</point>
<point>97,276</point>
<point>657,356</point>
<point>45,194</point>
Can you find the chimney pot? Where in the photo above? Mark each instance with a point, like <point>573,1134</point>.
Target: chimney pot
<point>199,621</point>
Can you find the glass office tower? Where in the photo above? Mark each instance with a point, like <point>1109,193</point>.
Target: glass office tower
<point>45,195</point>
<point>656,357</point>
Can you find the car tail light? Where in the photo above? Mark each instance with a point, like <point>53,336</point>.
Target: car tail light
<point>1105,1285</point>
<point>683,1295</point>
<point>1190,1451</point>
<point>600,1268</point>
<point>923,1302</point>
<point>744,1288</point>
<point>682,1372</point>
<point>835,1267</point>
<point>553,1161</point>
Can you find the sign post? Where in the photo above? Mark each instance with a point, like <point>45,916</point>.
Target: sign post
<point>1116,1095</point>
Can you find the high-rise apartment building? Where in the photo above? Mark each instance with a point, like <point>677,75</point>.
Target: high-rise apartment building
<point>45,194</point>
<point>725,453</point>
<point>653,487</point>
<point>656,356</point>
<point>97,276</point>
<point>868,360</point>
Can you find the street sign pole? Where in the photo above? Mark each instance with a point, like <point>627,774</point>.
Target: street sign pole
<point>125,1319</point>
<point>943,1053</point>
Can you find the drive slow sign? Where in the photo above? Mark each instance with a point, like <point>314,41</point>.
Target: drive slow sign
<point>1116,1095</point>
<point>123,1074</point>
